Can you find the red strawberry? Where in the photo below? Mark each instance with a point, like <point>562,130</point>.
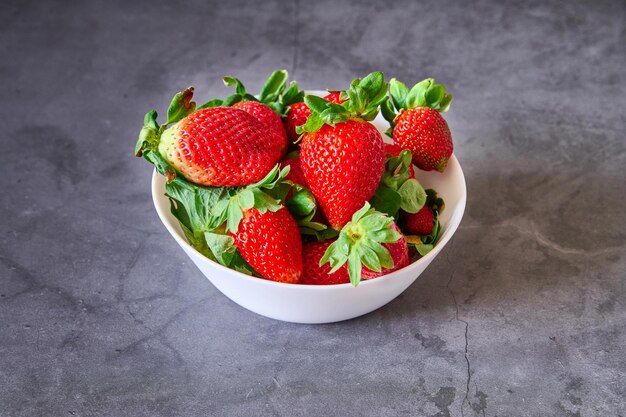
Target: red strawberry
<point>221,147</point>
<point>343,165</point>
<point>394,150</point>
<point>420,127</point>
<point>265,115</point>
<point>420,223</point>
<point>299,112</point>
<point>270,243</point>
<point>313,273</point>
<point>399,252</point>
<point>296,116</point>
<point>426,134</point>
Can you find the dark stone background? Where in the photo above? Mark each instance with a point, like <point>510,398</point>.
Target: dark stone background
<point>101,314</point>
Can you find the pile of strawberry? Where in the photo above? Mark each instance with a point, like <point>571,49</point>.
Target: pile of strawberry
<point>302,189</point>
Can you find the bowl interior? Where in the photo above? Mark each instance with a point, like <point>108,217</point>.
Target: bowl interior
<point>450,185</point>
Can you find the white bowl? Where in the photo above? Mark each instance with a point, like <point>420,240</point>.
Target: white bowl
<point>323,303</point>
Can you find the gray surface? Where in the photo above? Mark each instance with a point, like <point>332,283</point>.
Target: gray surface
<point>101,314</point>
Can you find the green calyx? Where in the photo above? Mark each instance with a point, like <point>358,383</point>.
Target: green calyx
<point>360,243</point>
<point>274,93</point>
<point>264,195</point>
<point>363,100</point>
<point>424,244</point>
<point>396,189</point>
<point>423,94</point>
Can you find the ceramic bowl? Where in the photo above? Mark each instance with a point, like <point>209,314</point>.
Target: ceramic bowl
<point>331,303</point>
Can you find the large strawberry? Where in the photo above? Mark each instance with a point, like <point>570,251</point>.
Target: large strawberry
<point>221,147</point>
<point>315,274</point>
<point>343,155</point>
<point>419,126</point>
<point>299,112</point>
<point>212,146</point>
<point>369,245</point>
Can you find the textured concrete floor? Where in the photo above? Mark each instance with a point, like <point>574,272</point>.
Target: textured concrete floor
<point>101,314</point>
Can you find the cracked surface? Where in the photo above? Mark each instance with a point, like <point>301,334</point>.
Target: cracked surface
<point>101,314</point>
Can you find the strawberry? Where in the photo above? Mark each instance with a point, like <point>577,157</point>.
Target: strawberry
<point>343,165</point>
<point>420,223</point>
<point>420,126</point>
<point>343,155</point>
<point>221,147</point>
<point>399,252</point>
<point>296,116</point>
<point>299,112</point>
<point>422,228</point>
<point>394,150</point>
<point>270,243</point>
<point>370,244</point>
<point>313,273</point>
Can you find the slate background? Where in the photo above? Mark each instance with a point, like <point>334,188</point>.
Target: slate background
<point>101,314</point>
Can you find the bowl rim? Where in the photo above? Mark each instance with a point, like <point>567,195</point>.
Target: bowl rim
<point>455,221</point>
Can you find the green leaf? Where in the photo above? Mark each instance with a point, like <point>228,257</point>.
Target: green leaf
<point>398,92</point>
<point>274,85</point>
<point>160,164</point>
<point>384,235</point>
<point>386,200</point>
<point>234,216</point>
<point>313,124</point>
<point>316,104</point>
<point>358,215</point>
<point>369,258</point>
<point>222,246</point>
<point>181,106</point>
<point>373,83</point>
<point>423,249</point>
<point>444,106</point>
<point>384,257</point>
<point>149,134</point>
<point>264,202</point>
<point>417,95</point>
<point>434,95</point>
<point>194,205</point>
<point>239,88</point>
<point>211,103</point>
<point>413,196</point>
<point>354,268</point>
<point>246,199</point>
<point>292,95</point>
<point>388,112</point>
<point>337,253</point>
